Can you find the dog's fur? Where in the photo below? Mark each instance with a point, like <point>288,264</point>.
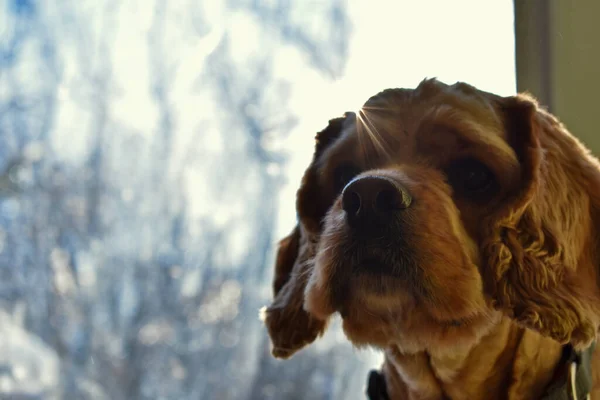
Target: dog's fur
<point>485,289</point>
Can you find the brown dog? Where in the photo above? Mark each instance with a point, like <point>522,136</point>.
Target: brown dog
<point>457,231</point>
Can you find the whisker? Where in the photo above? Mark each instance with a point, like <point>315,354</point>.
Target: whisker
<point>361,140</point>
<point>381,108</point>
<point>372,132</point>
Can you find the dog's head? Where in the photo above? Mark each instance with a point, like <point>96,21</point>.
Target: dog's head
<point>433,212</point>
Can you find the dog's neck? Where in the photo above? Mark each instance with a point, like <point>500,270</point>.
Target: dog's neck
<point>509,363</point>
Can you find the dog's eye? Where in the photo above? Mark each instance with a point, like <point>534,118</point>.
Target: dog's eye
<point>470,176</point>
<point>344,174</point>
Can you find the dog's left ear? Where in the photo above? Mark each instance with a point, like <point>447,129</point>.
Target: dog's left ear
<point>290,326</point>
<point>541,256</point>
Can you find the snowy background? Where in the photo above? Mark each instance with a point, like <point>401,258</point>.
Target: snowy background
<point>149,155</point>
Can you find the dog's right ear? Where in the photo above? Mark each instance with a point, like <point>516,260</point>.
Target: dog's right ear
<point>290,326</point>
<point>287,253</point>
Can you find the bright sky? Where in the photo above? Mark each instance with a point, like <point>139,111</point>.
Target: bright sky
<point>392,44</point>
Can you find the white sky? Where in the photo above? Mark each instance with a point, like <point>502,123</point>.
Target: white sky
<point>393,43</point>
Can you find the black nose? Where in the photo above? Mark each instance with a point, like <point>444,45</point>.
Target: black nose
<point>371,198</point>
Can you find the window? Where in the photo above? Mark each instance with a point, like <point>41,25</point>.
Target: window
<point>150,156</point>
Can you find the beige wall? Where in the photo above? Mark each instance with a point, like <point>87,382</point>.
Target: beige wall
<point>558,60</point>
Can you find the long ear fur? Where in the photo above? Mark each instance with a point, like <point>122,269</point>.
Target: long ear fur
<point>288,250</point>
<point>541,268</point>
<point>289,325</point>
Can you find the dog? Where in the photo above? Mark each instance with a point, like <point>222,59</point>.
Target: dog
<point>457,231</point>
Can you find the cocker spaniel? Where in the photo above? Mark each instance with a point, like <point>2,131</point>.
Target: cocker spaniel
<point>458,232</point>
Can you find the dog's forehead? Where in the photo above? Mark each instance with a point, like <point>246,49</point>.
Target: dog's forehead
<point>433,101</point>
<point>432,119</point>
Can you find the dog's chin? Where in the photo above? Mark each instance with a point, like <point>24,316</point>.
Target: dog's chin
<point>381,304</point>
<point>380,278</point>
<point>345,285</point>
<point>376,286</point>
<point>417,332</point>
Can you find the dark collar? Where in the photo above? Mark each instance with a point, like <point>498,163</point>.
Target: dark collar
<point>572,379</point>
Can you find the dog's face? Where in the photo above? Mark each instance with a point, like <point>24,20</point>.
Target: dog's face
<point>412,178</point>
<point>429,221</point>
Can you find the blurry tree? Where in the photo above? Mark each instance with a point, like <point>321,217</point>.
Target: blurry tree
<point>138,196</point>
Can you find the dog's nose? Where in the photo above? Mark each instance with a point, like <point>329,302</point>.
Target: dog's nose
<point>373,197</point>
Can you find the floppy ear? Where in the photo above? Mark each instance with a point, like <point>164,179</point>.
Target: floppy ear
<point>540,260</point>
<point>289,325</point>
<point>287,253</point>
